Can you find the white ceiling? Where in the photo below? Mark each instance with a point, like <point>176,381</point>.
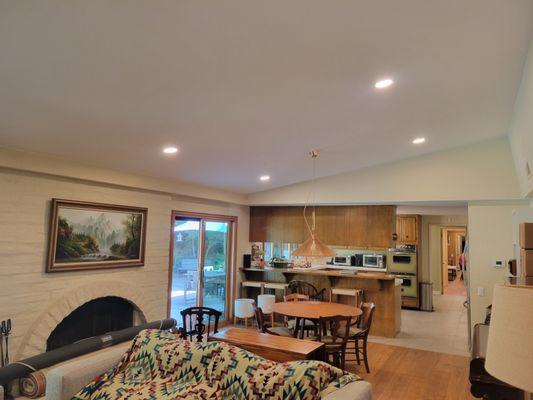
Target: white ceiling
<point>246,88</point>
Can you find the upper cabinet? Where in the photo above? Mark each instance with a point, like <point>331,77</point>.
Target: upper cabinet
<point>277,224</point>
<point>355,226</point>
<point>407,229</point>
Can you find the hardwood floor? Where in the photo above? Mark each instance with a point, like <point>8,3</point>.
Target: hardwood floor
<point>400,373</point>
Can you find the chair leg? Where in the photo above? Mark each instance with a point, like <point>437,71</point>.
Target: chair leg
<point>272,320</point>
<point>357,357</point>
<point>234,320</point>
<point>246,322</point>
<point>365,357</point>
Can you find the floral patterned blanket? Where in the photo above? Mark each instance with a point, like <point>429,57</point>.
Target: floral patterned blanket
<point>159,366</point>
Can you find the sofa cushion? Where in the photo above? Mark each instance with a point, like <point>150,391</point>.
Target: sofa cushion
<point>158,365</point>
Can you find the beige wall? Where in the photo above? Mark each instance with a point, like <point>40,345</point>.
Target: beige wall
<point>521,130</point>
<point>27,292</point>
<point>55,166</point>
<point>490,233</point>
<point>430,269</point>
<point>483,171</point>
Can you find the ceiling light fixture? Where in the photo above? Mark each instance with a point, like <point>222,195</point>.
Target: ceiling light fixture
<point>264,178</point>
<point>312,247</point>
<point>383,83</point>
<point>170,150</point>
<point>419,140</point>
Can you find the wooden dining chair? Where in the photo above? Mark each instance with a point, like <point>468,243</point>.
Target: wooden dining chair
<point>265,327</point>
<point>197,321</point>
<point>296,297</point>
<point>308,325</point>
<point>333,332</point>
<point>302,287</point>
<point>357,334</point>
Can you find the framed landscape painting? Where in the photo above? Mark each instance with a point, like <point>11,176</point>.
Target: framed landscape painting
<point>95,236</point>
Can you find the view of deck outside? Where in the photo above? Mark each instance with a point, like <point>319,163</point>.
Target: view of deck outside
<point>185,285</point>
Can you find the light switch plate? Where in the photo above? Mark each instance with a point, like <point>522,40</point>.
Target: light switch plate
<point>481,291</point>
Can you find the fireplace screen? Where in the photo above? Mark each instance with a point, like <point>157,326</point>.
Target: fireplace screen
<point>93,318</point>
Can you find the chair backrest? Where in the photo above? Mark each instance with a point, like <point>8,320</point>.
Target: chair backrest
<point>330,326</point>
<point>296,297</point>
<point>197,322</point>
<point>259,319</point>
<point>366,317</point>
<point>306,288</point>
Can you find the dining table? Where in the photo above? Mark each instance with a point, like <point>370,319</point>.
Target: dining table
<point>313,310</point>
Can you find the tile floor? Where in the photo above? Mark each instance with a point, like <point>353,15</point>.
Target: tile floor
<point>444,330</point>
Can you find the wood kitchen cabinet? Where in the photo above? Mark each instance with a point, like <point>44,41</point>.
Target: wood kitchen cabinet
<point>407,229</point>
<point>330,224</point>
<point>277,224</point>
<point>354,226</point>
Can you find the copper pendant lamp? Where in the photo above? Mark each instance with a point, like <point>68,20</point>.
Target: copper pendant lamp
<point>313,246</point>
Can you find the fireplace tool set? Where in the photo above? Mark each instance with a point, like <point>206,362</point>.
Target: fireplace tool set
<point>5,331</point>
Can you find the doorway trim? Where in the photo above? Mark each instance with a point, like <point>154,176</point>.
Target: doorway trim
<point>230,277</point>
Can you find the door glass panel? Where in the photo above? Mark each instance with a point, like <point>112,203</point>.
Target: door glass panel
<point>215,265</point>
<point>184,292</point>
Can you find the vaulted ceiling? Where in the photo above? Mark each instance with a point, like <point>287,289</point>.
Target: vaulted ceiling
<point>246,88</point>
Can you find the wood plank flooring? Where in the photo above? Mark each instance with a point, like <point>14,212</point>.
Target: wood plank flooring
<point>400,373</point>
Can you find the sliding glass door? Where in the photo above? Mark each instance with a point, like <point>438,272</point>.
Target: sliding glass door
<point>201,251</point>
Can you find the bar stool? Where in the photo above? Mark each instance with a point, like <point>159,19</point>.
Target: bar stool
<point>266,303</point>
<point>244,309</point>
<point>273,286</point>
<point>356,293</point>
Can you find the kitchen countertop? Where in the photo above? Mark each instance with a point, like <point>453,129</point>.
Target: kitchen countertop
<point>324,272</point>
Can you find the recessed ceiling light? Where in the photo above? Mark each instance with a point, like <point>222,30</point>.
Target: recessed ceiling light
<point>264,178</point>
<point>384,83</point>
<point>419,140</point>
<point>170,150</point>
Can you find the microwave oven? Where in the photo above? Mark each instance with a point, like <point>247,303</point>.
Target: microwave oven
<point>343,260</point>
<point>375,261</point>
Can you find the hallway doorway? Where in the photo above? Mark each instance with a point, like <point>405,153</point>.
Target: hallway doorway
<point>453,242</point>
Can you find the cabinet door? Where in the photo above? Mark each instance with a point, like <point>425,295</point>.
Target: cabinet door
<point>380,226</point>
<point>295,230</point>
<point>356,226</point>
<point>331,224</point>
<point>258,224</point>
<point>408,229</point>
<point>275,225</point>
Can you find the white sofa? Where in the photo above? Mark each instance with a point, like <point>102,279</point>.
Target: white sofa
<point>65,380</point>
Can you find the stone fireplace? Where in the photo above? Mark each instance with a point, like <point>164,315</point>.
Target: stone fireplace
<point>88,310</point>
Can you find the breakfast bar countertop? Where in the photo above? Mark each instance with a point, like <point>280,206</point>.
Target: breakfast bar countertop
<point>325,272</point>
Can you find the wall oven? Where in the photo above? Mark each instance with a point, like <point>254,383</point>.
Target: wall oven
<point>403,262</point>
<point>409,284</point>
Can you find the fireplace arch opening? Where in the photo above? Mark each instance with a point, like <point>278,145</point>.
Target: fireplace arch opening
<point>96,317</point>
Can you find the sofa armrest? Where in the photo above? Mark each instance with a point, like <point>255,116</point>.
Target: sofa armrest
<point>358,390</point>
<point>65,381</point>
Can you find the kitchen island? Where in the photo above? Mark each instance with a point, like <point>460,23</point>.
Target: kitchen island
<point>379,288</point>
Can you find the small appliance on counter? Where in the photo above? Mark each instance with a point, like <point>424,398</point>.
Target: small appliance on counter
<point>343,260</point>
<point>347,260</point>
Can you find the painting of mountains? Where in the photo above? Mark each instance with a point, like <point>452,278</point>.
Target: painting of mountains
<point>94,236</point>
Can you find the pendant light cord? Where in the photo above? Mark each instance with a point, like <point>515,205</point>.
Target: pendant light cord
<point>314,155</point>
